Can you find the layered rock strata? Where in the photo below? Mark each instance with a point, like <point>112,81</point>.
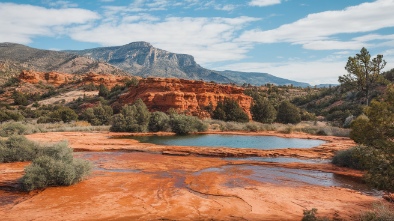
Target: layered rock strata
<point>192,97</point>
<point>56,79</point>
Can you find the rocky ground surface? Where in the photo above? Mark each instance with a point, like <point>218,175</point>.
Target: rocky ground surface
<point>139,181</point>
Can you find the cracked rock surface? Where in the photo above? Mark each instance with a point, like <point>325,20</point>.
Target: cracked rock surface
<point>135,181</point>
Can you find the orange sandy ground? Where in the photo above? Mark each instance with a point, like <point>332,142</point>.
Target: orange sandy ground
<point>166,186</point>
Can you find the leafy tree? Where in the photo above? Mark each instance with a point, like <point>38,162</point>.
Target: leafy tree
<point>59,113</point>
<point>263,111</point>
<point>363,73</point>
<point>99,115</point>
<point>183,124</point>
<point>132,118</point>
<point>375,134</point>
<point>65,114</point>
<point>229,110</point>
<point>159,121</point>
<point>288,113</point>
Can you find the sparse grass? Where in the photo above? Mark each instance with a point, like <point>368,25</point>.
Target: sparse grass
<point>315,128</point>
<point>379,212</point>
<point>18,128</point>
<point>77,126</point>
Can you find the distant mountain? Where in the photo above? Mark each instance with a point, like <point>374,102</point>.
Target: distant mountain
<point>137,58</point>
<point>142,59</point>
<point>257,79</point>
<point>17,57</point>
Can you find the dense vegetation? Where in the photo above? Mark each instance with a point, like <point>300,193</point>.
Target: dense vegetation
<point>373,131</point>
<point>229,110</point>
<point>52,165</point>
<point>137,118</point>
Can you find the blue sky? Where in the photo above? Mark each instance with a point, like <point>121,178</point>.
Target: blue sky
<point>303,40</point>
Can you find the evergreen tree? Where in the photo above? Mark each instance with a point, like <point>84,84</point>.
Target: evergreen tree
<point>288,113</point>
<point>132,118</point>
<point>363,73</point>
<point>375,134</point>
<point>263,111</point>
<point>229,110</point>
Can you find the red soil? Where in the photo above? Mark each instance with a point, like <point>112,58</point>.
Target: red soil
<point>167,187</point>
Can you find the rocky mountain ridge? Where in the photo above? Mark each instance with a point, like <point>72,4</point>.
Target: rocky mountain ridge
<point>16,57</point>
<point>136,58</point>
<point>142,59</point>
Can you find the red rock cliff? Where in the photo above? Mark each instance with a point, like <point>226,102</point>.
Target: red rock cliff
<point>161,94</point>
<point>57,79</point>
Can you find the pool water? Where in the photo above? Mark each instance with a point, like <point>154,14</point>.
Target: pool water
<point>233,141</point>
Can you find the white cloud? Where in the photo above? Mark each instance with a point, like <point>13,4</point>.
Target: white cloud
<point>207,39</point>
<point>60,4</point>
<point>225,7</point>
<point>317,31</point>
<point>23,22</point>
<point>262,3</point>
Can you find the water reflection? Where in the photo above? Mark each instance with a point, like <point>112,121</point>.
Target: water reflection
<point>234,141</point>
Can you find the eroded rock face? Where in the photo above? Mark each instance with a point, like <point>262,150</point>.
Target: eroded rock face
<point>56,79</point>
<point>192,97</point>
<point>53,78</point>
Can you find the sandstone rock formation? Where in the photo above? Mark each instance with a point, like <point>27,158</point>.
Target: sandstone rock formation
<point>53,78</point>
<point>56,79</point>
<point>21,57</point>
<point>192,97</point>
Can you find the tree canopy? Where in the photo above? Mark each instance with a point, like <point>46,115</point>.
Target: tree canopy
<point>375,133</point>
<point>263,111</point>
<point>363,72</point>
<point>288,113</point>
<point>229,110</point>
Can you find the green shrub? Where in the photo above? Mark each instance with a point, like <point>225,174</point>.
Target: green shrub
<point>20,98</point>
<point>183,124</point>
<point>134,118</point>
<point>229,110</point>
<point>6,115</point>
<point>17,149</point>
<point>17,128</point>
<point>57,114</point>
<point>103,90</point>
<point>99,115</point>
<point>380,212</point>
<point>288,113</point>
<point>263,111</point>
<point>310,215</point>
<point>11,82</point>
<point>132,82</point>
<point>159,121</point>
<point>348,158</point>
<point>54,167</point>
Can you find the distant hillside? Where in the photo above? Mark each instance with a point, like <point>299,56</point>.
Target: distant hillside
<point>257,79</point>
<point>137,58</point>
<point>16,57</point>
<point>142,59</point>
